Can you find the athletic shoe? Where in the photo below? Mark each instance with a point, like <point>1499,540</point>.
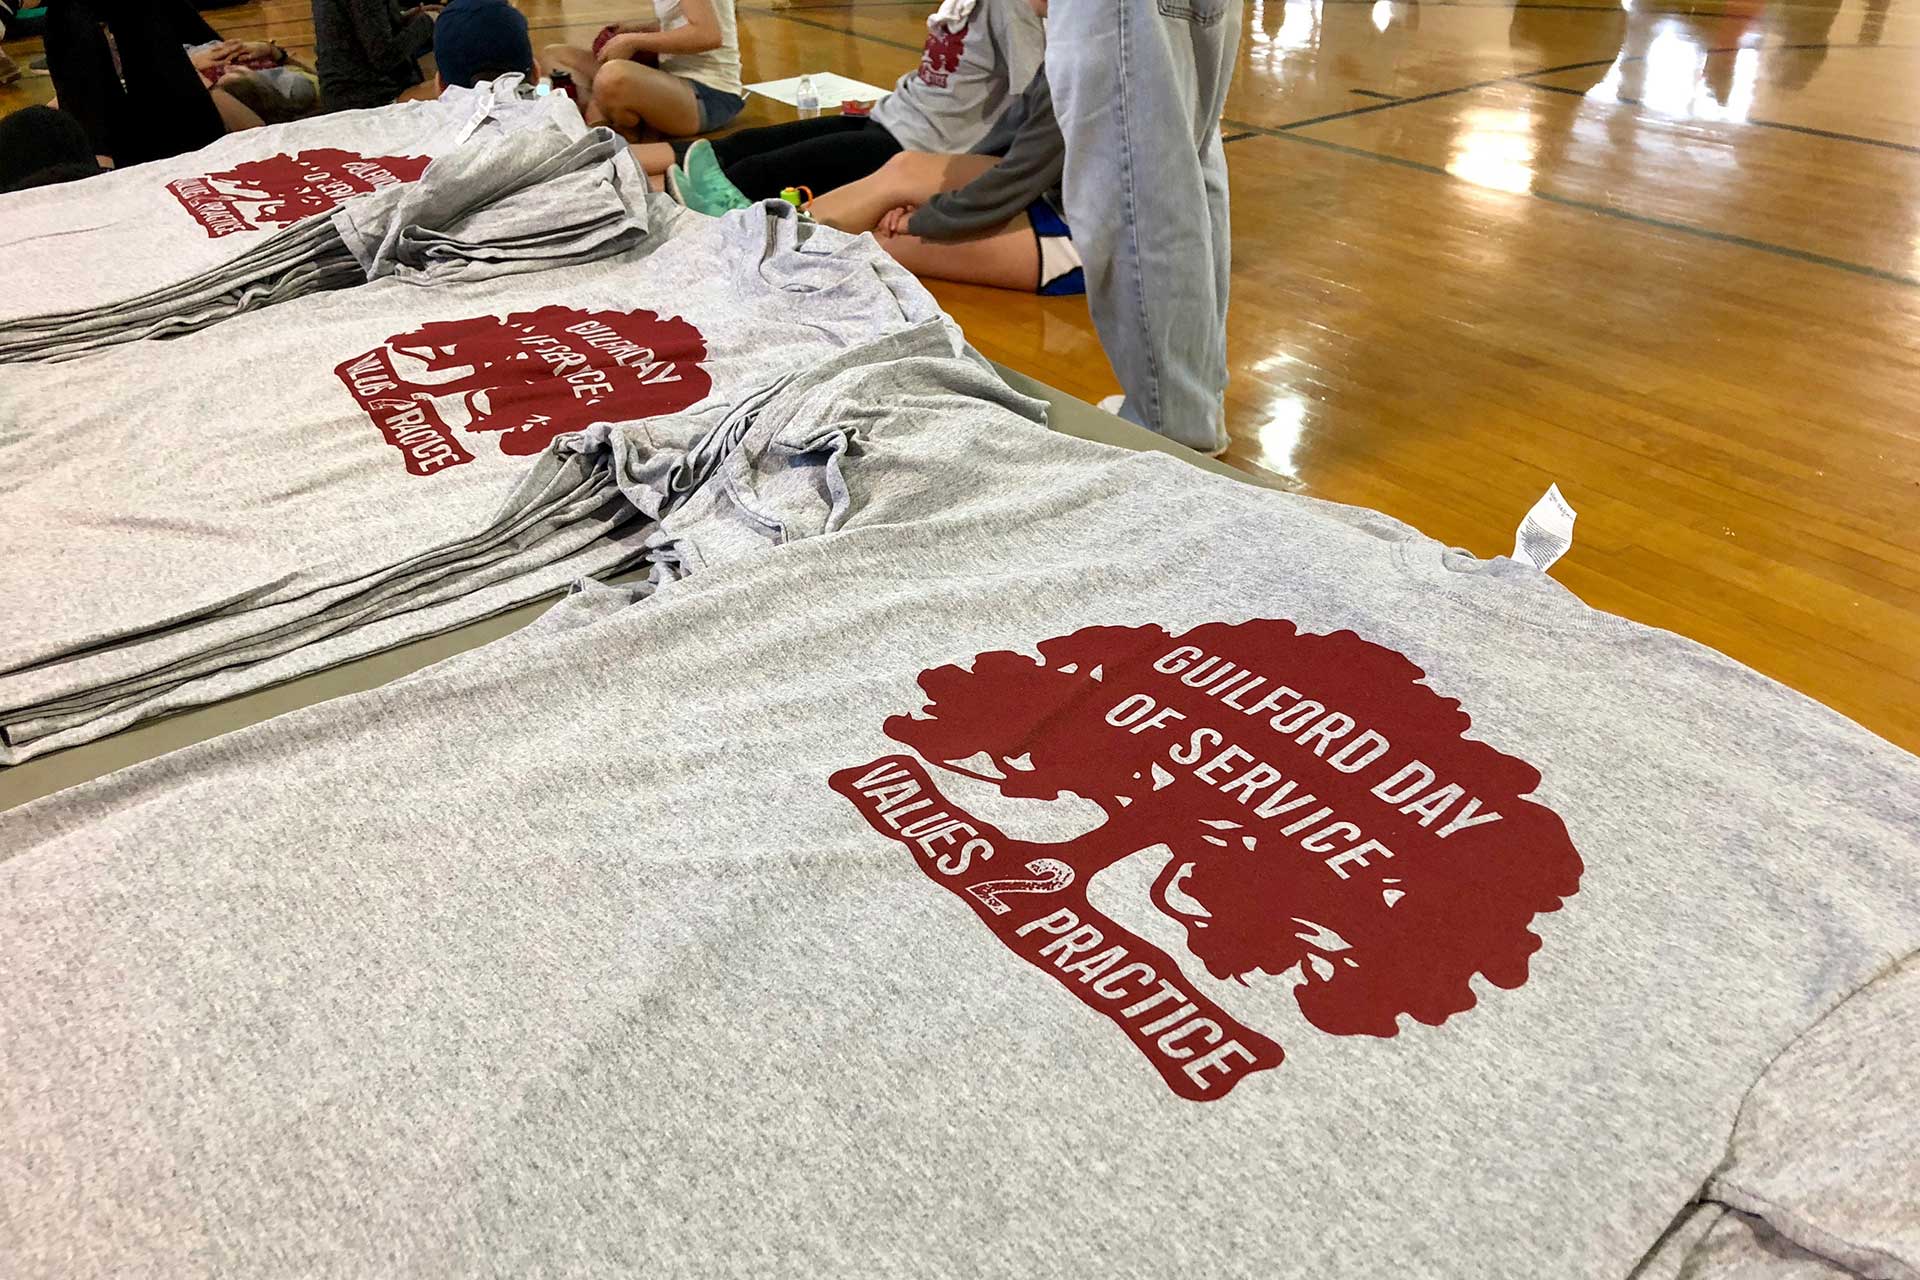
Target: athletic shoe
<point>9,69</point>
<point>675,178</point>
<point>705,188</point>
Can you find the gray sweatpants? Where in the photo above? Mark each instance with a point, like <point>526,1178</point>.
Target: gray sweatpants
<point>1139,86</point>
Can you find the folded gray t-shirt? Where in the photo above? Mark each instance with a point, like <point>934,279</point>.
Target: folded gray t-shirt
<point>399,425</point>
<point>124,234</point>
<point>536,198</point>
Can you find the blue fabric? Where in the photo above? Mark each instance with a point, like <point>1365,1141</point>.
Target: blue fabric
<point>1047,221</point>
<point>1049,225</point>
<point>1070,285</point>
<point>717,106</point>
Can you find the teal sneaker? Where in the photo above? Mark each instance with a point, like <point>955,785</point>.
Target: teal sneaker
<point>703,185</point>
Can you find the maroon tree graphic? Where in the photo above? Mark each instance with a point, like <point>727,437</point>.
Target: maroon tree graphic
<point>290,188</point>
<point>1259,756</point>
<point>535,375</point>
<point>943,49</point>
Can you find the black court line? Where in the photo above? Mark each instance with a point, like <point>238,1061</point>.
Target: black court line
<point>1238,137</point>
<point>1576,93</point>
<point>1755,122</point>
<point>787,15</point>
<point>1374,93</point>
<point>1809,130</point>
<point>1440,93</point>
<point>1609,211</point>
<point>1526,77</point>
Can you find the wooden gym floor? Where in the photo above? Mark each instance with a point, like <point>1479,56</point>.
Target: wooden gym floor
<point>1665,254</point>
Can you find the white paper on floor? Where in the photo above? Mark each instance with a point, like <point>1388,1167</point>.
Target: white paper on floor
<point>833,90</point>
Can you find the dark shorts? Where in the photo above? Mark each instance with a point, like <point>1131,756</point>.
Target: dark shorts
<point>717,106</point>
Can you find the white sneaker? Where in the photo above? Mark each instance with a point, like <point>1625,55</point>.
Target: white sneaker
<point>9,69</point>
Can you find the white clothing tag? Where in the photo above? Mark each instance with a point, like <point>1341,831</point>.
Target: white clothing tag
<point>1544,536</point>
<point>952,14</point>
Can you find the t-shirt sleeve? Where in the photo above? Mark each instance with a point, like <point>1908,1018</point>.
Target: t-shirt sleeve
<point>1031,165</point>
<point>1825,1153</point>
<point>1022,41</point>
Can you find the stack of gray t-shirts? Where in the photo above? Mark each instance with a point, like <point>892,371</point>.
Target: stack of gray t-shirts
<point>323,479</point>
<point>78,246</point>
<point>497,205</point>
<point>1045,860</point>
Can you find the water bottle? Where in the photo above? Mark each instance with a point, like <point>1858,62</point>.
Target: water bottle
<point>806,97</point>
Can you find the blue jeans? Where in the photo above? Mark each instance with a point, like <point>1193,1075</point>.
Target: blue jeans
<point>1138,86</point>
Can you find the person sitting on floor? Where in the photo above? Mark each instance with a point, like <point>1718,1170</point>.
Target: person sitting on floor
<point>476,40</point>
<point>990,217</point>
<point>368,51</point>
<point>152,105</point>
<point>259,75</point>
<point>695,88</point>
<point>979,55</point>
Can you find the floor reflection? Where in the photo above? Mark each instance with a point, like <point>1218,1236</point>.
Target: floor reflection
<point>1708,64</point>
<point>1338,45</point>
<point>1587,105</point>
<point>1494,148</point>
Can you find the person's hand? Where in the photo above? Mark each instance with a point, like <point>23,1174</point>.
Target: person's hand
<point>623,47</point>
<point>894,221</point>
<point>215,55</point>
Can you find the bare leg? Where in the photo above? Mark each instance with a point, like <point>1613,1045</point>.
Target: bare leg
<point>233,113</point>
<point>633,99</point>
<point>652,157</point>
<point>912,177</point>
<point>1008,258</point>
